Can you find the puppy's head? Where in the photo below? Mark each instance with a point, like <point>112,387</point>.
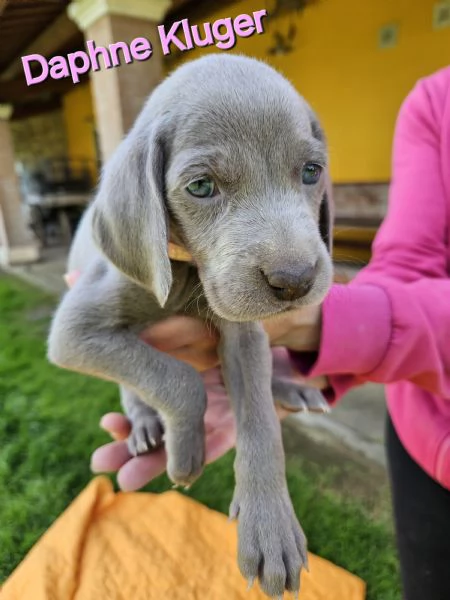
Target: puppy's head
<point>227,152</point>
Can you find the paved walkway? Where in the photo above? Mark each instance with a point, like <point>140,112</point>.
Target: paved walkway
<point>46,274</point>
<point>357,422</point>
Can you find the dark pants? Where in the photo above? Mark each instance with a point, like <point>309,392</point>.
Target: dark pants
<point>422,517</point>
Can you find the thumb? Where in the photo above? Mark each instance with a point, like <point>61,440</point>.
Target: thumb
<point>321,382</point>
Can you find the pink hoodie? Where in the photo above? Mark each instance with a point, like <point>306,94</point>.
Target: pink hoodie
<point>391,324</point>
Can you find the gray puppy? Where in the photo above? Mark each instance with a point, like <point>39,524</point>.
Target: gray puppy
<point>231,160</point>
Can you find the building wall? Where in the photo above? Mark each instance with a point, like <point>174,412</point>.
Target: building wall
<point>354,86</point>
<point>80,125</point>
<point>39,137</point>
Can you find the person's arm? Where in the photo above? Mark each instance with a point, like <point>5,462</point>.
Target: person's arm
<point>392,322</point>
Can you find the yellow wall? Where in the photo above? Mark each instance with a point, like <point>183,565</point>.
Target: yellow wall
<point>355,87</point>
<point>80,125</point>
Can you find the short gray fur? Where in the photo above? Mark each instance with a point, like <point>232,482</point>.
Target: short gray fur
<point>239,121</point>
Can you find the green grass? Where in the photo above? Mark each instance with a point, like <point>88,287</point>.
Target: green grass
<point>49,427</point>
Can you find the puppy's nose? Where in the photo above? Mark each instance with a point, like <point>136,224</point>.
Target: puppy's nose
<point>291,283</point>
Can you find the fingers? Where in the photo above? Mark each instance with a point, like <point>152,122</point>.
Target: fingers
<point>136,472</point>
<point>178,331</point>
<point>202,359</point>
<point>117,425</point>
<point>110,457</point>
<point>277,326</point>
<point>284,367</point>
<point>133,473</point>
<point>140,470</point>
<point>282,413</point>
<point>298,329</point>
<point>185,339</point>
<point>320,382</point>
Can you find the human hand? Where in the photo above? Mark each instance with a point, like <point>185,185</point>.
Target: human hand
<point>133,472</point>
<point>190,340</point>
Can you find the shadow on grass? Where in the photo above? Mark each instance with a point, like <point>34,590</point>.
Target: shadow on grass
<point>49,427</point>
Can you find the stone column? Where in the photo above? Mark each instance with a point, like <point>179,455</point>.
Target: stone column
<point>18,244</point>
<point>119,93</point>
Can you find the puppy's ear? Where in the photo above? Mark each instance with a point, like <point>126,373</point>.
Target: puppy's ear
<point>129,220</point>
<point>326,219</point>
<point>316,128</point>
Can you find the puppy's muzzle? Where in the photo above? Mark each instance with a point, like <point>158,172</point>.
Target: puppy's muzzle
<point>291,283</point>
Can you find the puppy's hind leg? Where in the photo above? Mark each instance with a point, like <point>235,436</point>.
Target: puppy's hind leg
<point>146,426</point>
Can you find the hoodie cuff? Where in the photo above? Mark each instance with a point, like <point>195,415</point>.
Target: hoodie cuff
<point>356,331</point>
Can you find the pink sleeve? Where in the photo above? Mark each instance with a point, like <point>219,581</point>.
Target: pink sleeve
<point>392,322</point>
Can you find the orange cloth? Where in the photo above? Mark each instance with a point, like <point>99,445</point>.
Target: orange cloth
<point>138,546</point>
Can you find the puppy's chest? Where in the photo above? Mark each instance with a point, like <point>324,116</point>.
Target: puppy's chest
<point>197,307</point>
<point>186,298</point>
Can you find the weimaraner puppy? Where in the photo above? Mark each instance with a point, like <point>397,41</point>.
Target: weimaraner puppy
<point>229,161</point>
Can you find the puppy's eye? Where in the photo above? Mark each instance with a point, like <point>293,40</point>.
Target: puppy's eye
<point>202,188</point>
<point>311,173</point>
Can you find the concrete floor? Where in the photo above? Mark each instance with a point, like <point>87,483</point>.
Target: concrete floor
<point>46,274</point>
<point>357,422</point>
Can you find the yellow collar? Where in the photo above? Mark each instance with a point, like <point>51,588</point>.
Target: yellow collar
<point>179,253</point>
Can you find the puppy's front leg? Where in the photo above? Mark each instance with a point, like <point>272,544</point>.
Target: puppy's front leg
<point>92,341</point>
<point>298,398</point>
<point>272,545</point>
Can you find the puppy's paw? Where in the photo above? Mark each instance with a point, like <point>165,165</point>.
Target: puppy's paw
<point>272,545</point>
<point>146,432</point>
<point>185,453</point>
<point>298,398</point>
